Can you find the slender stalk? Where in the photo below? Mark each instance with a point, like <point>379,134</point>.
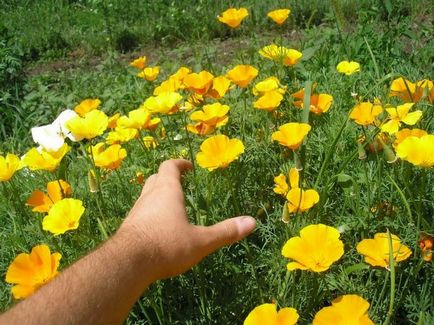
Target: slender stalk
<point>392,280</point>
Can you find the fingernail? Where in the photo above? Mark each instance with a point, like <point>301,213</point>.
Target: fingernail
<point>246,224</point>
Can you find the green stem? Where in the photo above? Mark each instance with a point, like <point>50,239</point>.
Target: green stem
<point>392,280</point>
<point>329,154</point>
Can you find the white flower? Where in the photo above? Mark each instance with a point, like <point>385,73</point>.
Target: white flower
<point>52,136</point>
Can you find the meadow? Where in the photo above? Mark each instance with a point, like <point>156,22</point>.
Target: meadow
<point>276,125</point>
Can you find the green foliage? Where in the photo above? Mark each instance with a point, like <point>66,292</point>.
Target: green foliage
<point>228,284</point>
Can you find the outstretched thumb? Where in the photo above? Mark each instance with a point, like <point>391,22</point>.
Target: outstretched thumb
<point>226,232</point>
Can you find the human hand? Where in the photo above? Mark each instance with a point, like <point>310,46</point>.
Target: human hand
<point>158,221</point>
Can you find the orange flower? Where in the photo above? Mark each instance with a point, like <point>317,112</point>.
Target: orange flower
<point>201,128</point>
<point>218,152</point>
<point>316,249</point>
<point>376,251</point>
<point>279,16</point>
<point>86,106</point>
<point>139,63</point>
<point>319,103</point>
<point>291,135</point>
<point>198,82</point>
<point>241,75</point>
<point>113,121</point>
<point>220,85</point>
<point>266,314</point>
<point>426,243</point>
<point>365,113</point>
<point>233,17</point>
<point>345,310</point>
<point>213,115</point>
<point>31,271</point>
<point>412,92</point>
<point>56,191</point>
<point>300,200</point>
<point>297,198</point>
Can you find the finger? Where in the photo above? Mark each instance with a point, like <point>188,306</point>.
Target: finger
<point>149,184</point>
<point>174,168</point>
<point>226,232</point>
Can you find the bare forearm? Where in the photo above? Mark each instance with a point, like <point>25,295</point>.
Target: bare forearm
<point>99,289</point>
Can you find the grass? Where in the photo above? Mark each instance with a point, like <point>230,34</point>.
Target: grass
<point>388,41</point>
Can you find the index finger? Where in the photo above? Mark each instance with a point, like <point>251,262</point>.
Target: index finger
<point>174,168</point>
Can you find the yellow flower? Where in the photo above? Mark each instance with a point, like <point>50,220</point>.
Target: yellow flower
<point>39,159</point>
<point>137,119</point>
<point>376,251</point>
<point>418,151</point>
<point>86,106</point>
<point>220,85</point>
<point>319,103</point>
<point>269,101</point>
<point>150,73</point>
<point>169,85</point>
<point>108,158</point>
<point>88,127</point>
<point>163,103</point>
<point>267,85</point>
<point>180,73</point>
<point>412,92</point>
<point>316,249</point>
<point>64,215</point>
<point>241,75</point>
<point>213,115</point>
<point>400,114</point>
<point>281,186</point>
<point>201,128</point>
<point>348,67</point>
<point>31,271</point>
<point>121,135</point>
<point>300,200</point>
<point>287,57</point>
<point>198,82</point>
<point>233,17</point>
<point>218,152</point>
<point>405,133</point>
<point>279,16</point>
<point>56,191</point>
<point>150,142</point>
<point>346,309</point>
<point>113,121</point>
<point>139,63</point>
<point>266,314</point>
<point>365,113</point>
<point>9,166</point>
<point>291,135</point>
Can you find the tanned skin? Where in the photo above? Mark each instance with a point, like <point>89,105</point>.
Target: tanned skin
<point>154,242</point>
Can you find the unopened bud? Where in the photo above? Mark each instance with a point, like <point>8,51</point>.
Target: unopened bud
<point>285,213</point>
<point>93,184</point>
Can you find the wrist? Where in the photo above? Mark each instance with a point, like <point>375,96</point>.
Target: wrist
<point>139,251</point>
